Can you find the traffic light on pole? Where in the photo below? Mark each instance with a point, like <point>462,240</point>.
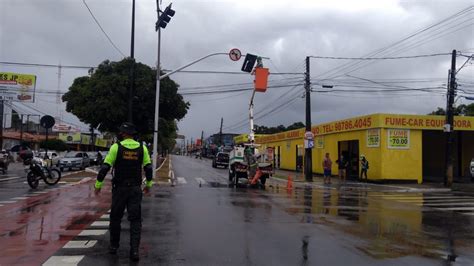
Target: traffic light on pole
<point>249,62</point>
<point>165,17</point>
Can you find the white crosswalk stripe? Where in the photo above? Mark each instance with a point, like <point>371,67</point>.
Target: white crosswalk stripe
<point>181,180</point>
<point>440,202</point>
<point>200,181</point>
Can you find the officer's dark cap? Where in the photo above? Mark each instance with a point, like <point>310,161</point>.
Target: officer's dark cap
<point>128,128</point>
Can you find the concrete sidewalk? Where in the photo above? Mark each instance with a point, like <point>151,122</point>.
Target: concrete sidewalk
<point>281,175</point>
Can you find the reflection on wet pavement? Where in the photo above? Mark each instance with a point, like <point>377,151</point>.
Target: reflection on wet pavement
<point>34,228</point>
<point>389,225</point>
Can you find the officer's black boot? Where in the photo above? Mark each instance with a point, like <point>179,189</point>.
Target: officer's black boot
<point>113,249</point>
<point>134,256</point>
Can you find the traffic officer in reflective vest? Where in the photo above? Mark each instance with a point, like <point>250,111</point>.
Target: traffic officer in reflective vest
<point>127,157</point>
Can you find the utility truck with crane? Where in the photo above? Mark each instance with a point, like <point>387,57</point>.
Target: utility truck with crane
<point>247,164</point>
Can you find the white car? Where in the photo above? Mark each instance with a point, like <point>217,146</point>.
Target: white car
<point>472,167</point>
<point>79,160</point>
<point>52,155</point>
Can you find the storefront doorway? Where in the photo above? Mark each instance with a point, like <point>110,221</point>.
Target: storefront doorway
<point>434,155</point>
<point>350,150</point>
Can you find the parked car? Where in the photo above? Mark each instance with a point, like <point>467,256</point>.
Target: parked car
<point>78,160</point>
<point>221,159</point>
<point>52,155</point>
<point>472,168</point>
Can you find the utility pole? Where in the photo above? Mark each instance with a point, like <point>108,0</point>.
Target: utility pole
<point>220,132</point>
<point>449,127</point>
<point>132,70</point>
<point>308,158</point>
<point>202,142</point>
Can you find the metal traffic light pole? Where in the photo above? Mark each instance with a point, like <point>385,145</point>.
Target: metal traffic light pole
<point>162,20</point>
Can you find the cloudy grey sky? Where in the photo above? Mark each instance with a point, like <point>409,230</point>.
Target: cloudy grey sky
<point>63,32</point>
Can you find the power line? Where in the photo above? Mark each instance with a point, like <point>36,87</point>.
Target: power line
<point>259,114</point>
<point>228,72</point>
<point>231,90</point>
<point>468,59</point>
<point>280,81</point>
<point>379,58</point>
<point>43,113</point>
<point>346,66</point>
<point>103,31</point>
<point>44,65</point>
<point>428,89</point>
<point>273,101</point>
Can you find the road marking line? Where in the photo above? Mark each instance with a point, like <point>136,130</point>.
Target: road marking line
<point>7,201</point>
<point>1,205</point>
<point>40,192</point>
<point>446,200</point>
<point>457,209</point>
<point>449,204</point>
<point>200,181</point>
<point>470,213</point>
<point>63,260</point>
<point>93,232</point>
<point>100,223</point>
<point>19,198</point>
<point>431,200</point>
<point>105,216</point>
<point>10,178</point>
<point>80,244</point>
<point>181,180</point>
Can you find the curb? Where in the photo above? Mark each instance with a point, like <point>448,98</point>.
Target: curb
<point>397,189</point>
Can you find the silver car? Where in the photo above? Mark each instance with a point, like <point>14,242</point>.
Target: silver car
<point>78,160</point>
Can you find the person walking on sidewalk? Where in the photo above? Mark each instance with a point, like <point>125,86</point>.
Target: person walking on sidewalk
<point>127,157</point>
<point>327,165</point>
<point>342,166</point>
<point>364,167</point>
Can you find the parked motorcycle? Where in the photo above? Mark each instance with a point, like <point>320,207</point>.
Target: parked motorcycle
<point>38,170</point>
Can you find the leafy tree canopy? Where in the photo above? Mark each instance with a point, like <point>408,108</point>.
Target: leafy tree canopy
<point>466,110</point>
<point>100,100</point>
<point>277,129</point>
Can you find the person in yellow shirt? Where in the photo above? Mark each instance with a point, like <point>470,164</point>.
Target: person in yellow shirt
<point>127,157</point>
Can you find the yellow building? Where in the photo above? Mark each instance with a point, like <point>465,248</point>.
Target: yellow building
<point>398,147</point>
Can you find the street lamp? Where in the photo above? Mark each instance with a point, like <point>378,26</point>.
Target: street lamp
<point>163,20</point>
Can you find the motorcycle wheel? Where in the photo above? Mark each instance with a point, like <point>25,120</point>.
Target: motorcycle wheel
<point>32,180</point>
<point>53,177</point>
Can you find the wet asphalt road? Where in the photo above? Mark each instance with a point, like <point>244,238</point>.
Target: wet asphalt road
<point>13,183</point>
<point>201,221</point>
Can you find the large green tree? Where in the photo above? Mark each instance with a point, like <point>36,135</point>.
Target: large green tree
<point>277,129</point>
<point>467,110</point>
<point>100,100</point>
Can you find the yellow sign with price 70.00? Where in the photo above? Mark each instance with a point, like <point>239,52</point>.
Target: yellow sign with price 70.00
<point>373,137</point>
<point>398,138</point>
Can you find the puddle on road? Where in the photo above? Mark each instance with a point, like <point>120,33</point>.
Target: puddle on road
<point>384,226</point>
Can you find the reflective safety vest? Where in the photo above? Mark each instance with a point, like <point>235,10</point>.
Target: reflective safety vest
<point>128,166</point>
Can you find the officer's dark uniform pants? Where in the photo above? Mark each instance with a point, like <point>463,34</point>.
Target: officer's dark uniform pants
<point>131,198</point>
